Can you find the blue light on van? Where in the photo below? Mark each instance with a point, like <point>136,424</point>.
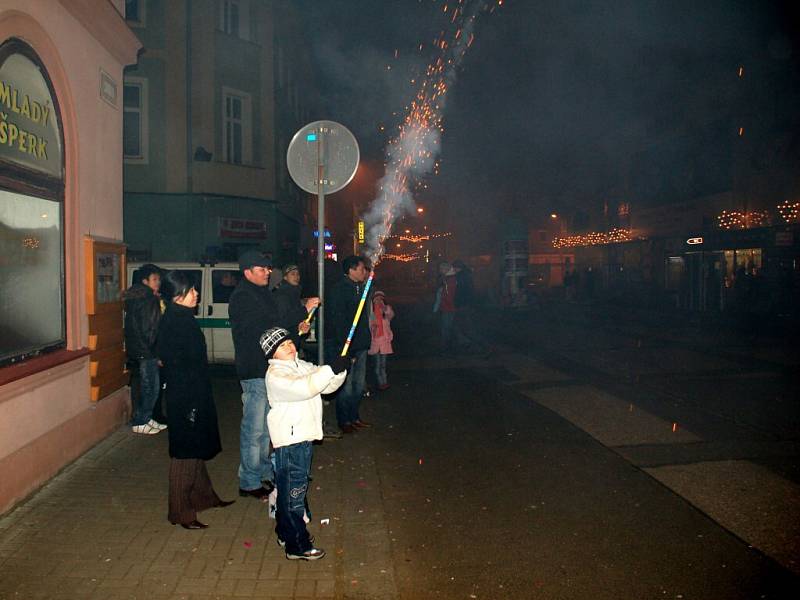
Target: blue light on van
<point>311,137</point>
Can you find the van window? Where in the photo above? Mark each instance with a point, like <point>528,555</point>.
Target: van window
<point>223,283</point>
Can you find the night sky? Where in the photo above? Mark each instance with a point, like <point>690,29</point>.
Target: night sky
<point>560,104</point>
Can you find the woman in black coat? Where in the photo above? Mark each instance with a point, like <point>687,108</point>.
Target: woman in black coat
<point>192,416</point>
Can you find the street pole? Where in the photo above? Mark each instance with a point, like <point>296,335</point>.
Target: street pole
<point>321,249</point>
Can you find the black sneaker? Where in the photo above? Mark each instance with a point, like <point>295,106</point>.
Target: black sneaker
<point>261,493</point>
<point>313,554</point>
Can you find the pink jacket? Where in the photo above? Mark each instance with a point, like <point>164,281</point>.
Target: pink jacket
<point>381,344</point>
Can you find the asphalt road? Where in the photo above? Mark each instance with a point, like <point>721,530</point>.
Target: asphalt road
<point>510,476</point>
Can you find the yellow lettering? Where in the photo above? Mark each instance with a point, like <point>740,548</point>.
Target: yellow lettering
<point>31,144</point>
<point>25,111</point>
<point>23,136</point>
<point>13,133</point>
<point>14,106</point>
<point>45,115</point>
<point>36,111</point>
<point>4,93</point>
<point>3,132</point>
<point>41,149</point>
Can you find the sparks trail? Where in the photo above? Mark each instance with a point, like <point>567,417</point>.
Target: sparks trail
<point>412,153</point>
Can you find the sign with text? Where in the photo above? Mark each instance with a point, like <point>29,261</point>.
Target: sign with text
<point>242,228</point>
<point>361,236</point>
<point>29,134</point>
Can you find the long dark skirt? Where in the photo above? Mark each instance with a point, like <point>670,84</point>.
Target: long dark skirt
<point>190,490</point>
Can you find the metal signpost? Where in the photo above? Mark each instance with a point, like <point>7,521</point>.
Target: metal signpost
<point>322,159</point>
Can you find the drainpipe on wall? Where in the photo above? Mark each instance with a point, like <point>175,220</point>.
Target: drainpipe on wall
<point>189,153</point>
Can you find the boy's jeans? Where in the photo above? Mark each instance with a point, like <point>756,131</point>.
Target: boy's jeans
<point>255,465</point>
<point>349,398</point>
<point>292,467</point>
<point>148,388</point>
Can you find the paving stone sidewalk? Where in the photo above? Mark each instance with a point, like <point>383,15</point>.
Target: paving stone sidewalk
<point>99,529</point>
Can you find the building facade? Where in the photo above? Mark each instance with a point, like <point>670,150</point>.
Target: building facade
<point>62,383</point>
<point>210,109</point>
<point>705,217</point>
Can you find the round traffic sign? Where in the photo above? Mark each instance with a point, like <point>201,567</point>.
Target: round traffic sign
<point>327,144</point>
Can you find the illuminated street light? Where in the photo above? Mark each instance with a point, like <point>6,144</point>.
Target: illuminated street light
<point>553,216</point>
<point>420,210</point>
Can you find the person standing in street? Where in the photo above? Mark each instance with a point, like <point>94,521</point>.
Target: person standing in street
<point>446,307</point>
<point>142,316</point>
<point>294,388</point>
<point>291,307</point>
<point>342,305</point>
<point>382,336</point>
<point>252,310</point>
<point>193,427</point>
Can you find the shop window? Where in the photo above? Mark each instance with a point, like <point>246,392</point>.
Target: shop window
<point>135,130</point>
<point>32,291</point>
<point>674,273</point>
<point>237,127</point>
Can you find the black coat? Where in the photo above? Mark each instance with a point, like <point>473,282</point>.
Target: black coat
<point>191,414</point>
<point>290,307</point>
<point>142,314</point>
<point>252,310</point>
<point>342,304</point>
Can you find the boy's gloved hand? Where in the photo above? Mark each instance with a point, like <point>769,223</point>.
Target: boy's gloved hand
<point>340,363</point>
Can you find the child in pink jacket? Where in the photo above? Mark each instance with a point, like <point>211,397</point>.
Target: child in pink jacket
<point>382,336</point>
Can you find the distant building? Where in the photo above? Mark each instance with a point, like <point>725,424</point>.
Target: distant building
<point>710,197</point>
<point>220,88</point>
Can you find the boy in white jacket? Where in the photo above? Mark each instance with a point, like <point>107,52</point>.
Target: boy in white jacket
<point>294,421</point>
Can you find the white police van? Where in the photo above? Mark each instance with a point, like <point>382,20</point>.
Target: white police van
<point>214,284</point>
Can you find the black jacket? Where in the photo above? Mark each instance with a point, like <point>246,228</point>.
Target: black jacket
<point>465,290</point>
<point>252,310</point>
<point>191,413</point>
<point>142,314</point>
<point>342,304</point>
<point>287,299</point>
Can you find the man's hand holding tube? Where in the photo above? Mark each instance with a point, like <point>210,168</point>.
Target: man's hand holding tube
<point>340,363</point>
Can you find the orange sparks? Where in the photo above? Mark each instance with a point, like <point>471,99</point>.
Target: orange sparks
<point>412,153</point>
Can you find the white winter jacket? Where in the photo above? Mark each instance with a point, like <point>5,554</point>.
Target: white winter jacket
<point>293,390</point>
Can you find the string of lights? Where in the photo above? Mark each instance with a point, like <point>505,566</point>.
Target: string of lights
<point>789,211</point>
<point>594,238</point>
<point>401,257</point>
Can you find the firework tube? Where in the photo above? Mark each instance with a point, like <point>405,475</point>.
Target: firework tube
<point>358,313</point>
<point>311,314</point>
<point>308,318</point>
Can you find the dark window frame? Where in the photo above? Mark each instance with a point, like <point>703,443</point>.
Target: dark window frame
<point>22,180</point>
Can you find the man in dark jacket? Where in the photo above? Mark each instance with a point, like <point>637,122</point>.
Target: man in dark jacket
<point>252,310</point>
<point>291,307</point>
<point>142,314</point>
<point>342,305</point>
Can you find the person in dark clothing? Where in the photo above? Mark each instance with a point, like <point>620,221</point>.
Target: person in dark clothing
<point>193,428</point>
<point>252,310</point>
<point>142,316</point>
<point>342,304</point>
<point>465,317</point>
<point>291,308</point>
